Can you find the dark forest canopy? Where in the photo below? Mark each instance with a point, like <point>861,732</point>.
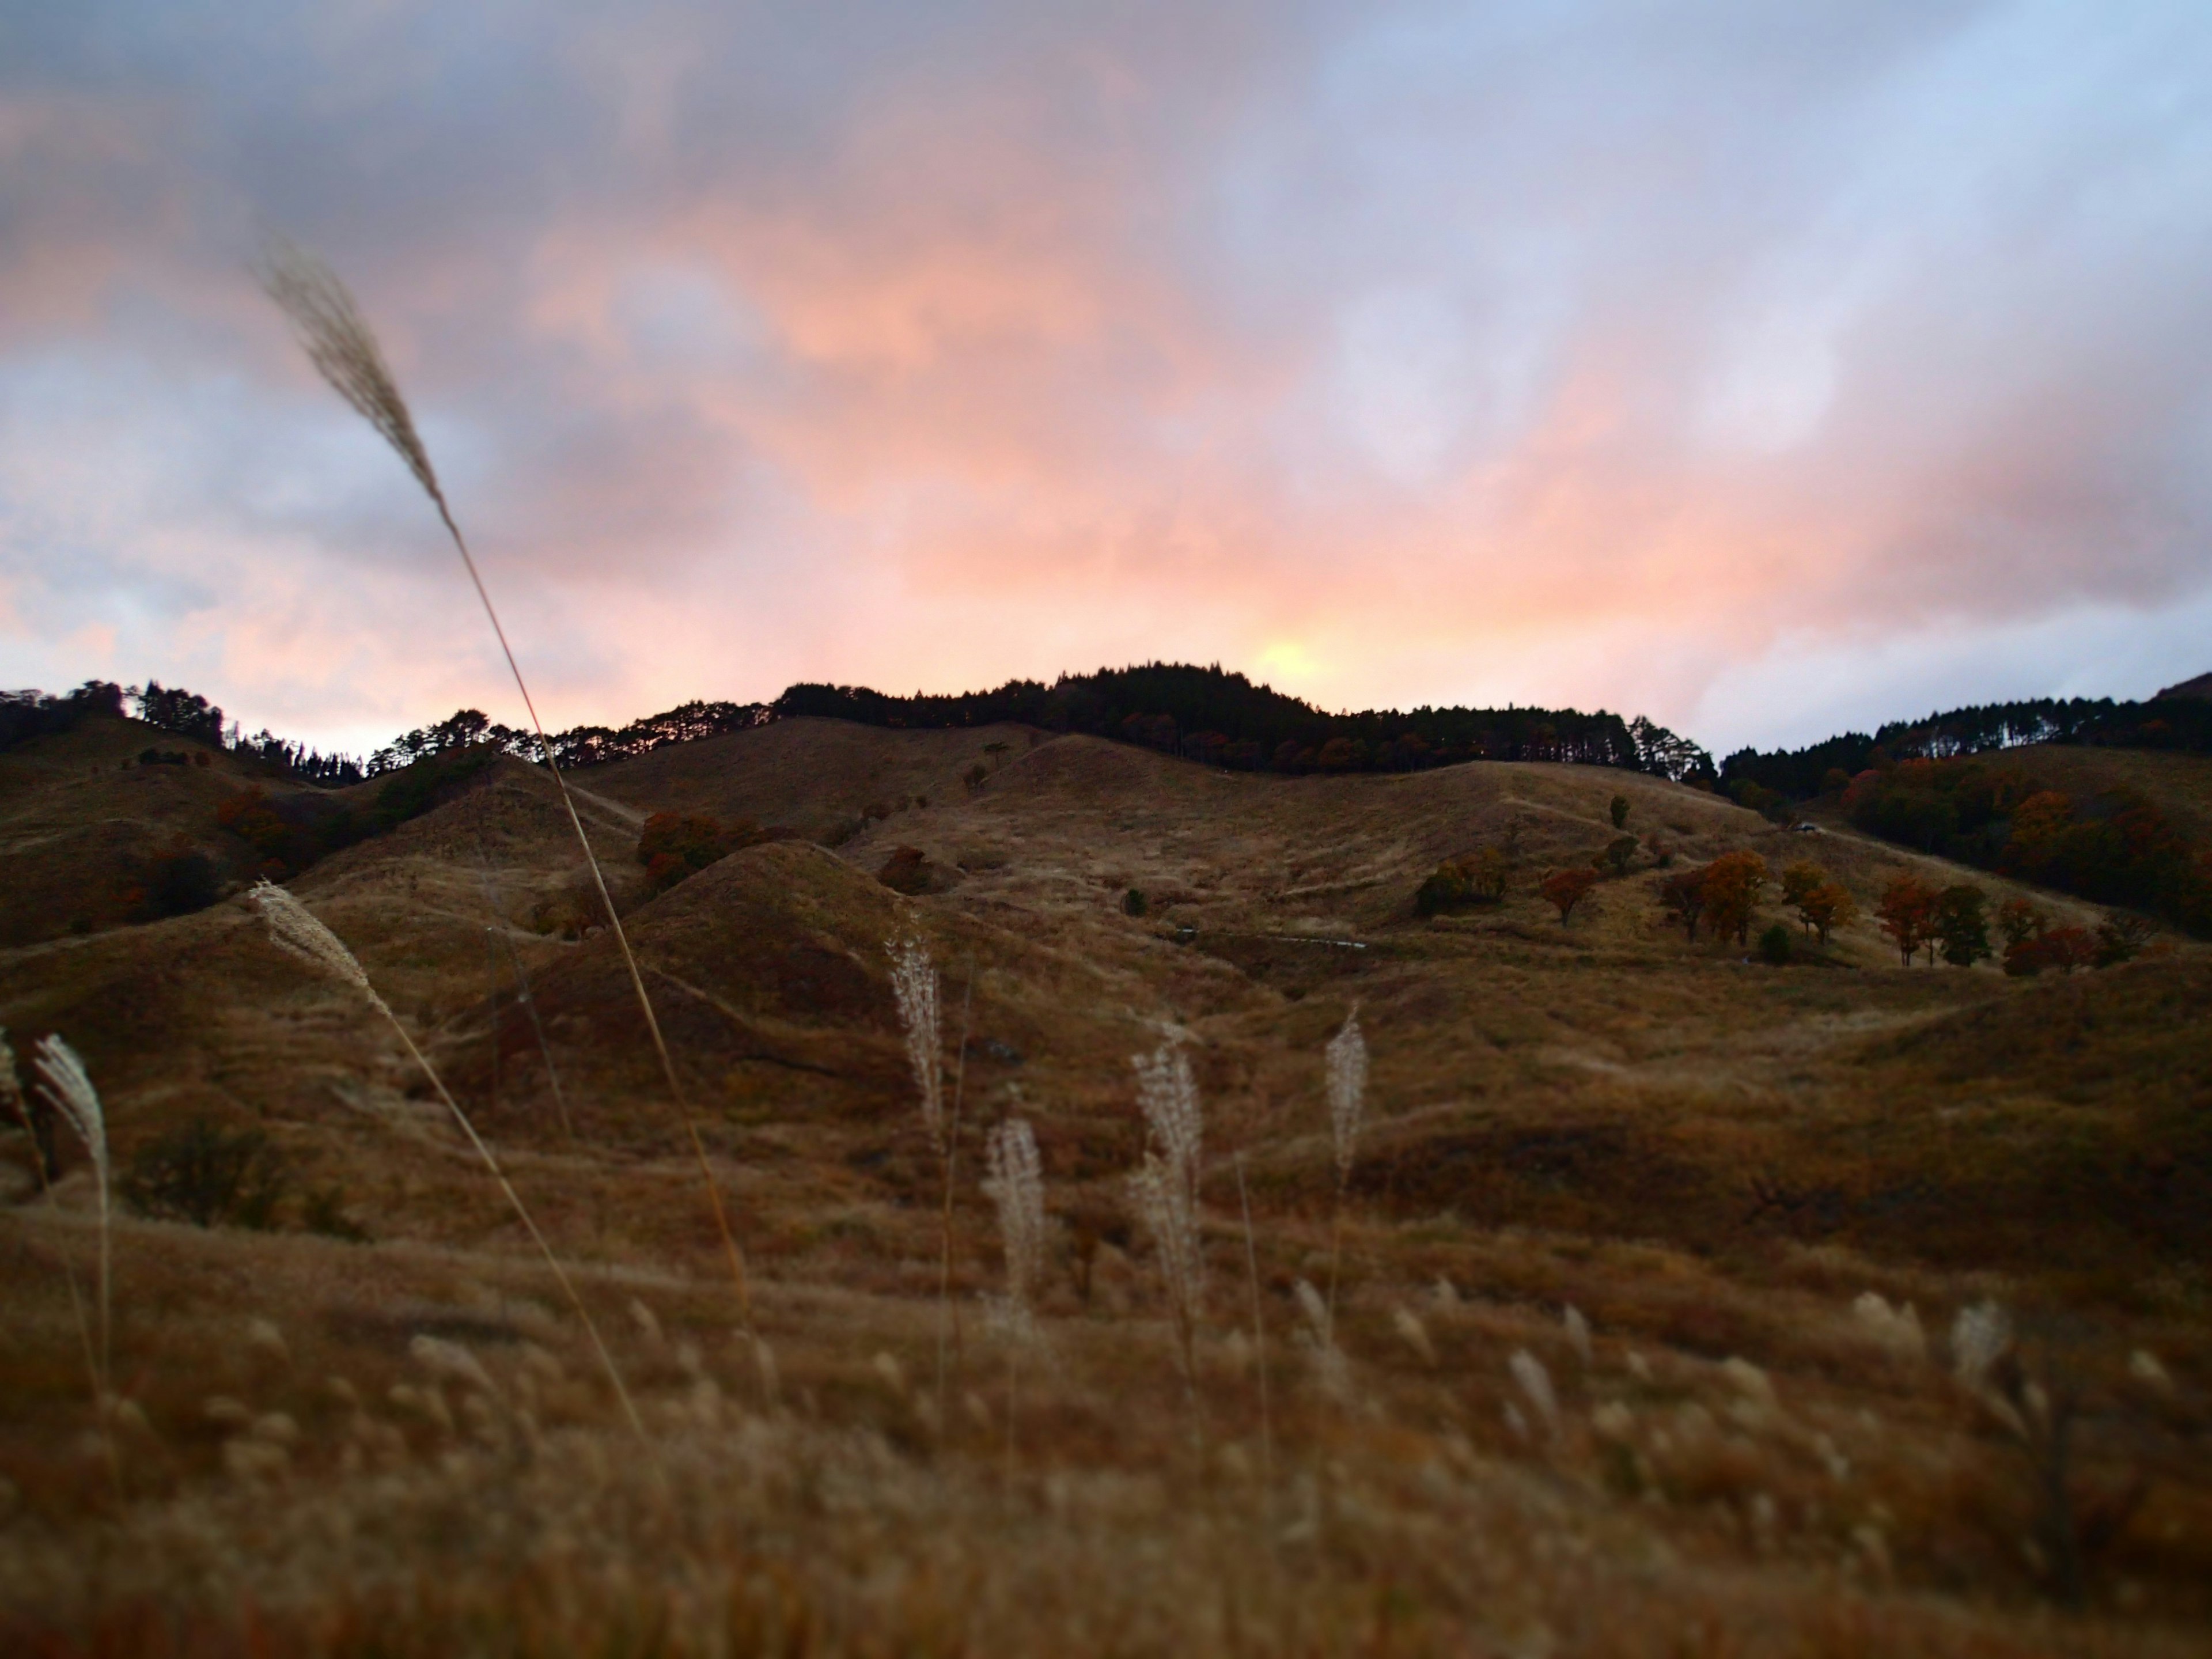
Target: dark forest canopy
<point>2167,722</point>
<point>1223,718</point>
<point>1205,714</point>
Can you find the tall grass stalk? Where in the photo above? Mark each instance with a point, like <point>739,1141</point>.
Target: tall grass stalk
<point>916,989</point>
<point>1166,1188</point>
<point>1347,1112</point>
<point>67,1089</point>
<point>345,351</point>
<point>294,929</point>
<point>944,1302</point>
<point>1015,1180</point>
<point>1258,1358</point>
<point>11,1094</point>
<point>522,995</point>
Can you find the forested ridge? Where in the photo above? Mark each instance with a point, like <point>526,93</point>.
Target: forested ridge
<point>1205,714</point>
<point>2163,722</point>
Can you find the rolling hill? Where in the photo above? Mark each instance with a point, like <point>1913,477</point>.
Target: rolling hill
<point>367,1427</point>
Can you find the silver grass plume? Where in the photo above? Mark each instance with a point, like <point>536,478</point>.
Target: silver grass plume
<point>914,985</point>
<point>12,1096</point>
<point>1347,1092</point>
<point>1347,1056</point>
<point>1165,1185</point>
<point>340,343</point>
<point>1015,1181</point>
<point>65,1083</point>
<point>1168,1095</point>
<point>1536,1382</point>
<point>1980,1337</point>
<point>295,930</point>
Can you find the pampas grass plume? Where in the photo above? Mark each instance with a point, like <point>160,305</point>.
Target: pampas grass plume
<point>67,1086</point>
<point>1165,1187</point>
<point>1015,1181</point>
<point>1536,1382</point>
<point>1980,1337</point>
<point>1347,1092</point>
<point>914,988</point>
<point>1579,1335</point>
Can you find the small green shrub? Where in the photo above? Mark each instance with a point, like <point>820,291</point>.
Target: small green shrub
<point>1775,946</point>
<point>1133,903</point>
<point>209,1176</point>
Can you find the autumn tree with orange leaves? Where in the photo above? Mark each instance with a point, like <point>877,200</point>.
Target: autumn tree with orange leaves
<point>1734,882</point>
<point>1907,914</point>
<point>1566,889</point>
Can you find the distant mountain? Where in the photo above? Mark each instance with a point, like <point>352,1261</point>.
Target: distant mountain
<point>2198,689</point>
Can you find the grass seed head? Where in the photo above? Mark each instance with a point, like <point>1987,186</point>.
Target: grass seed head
<point>1347,1092</point>
<point>64,1082</point>
<point>339,342</point>
<point>294,930</point>
<point>1167,1095</point>
<point>1980,1337</point>
<point>1579,1335</point>
<point>1166,1186</point>
<point>1536,1382</point>
<point>1015,1181</point>
<point>914,985</point>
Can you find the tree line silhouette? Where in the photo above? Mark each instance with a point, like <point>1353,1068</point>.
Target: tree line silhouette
<point>2182,723</point>
<point>1205,714</point>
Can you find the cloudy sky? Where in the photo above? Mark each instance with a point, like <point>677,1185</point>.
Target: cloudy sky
<point>1767,368</point>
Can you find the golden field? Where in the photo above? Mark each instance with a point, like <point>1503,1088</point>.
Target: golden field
<point>397,1442</point>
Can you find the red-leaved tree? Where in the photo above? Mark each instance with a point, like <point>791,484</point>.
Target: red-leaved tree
<point>1566,889</point>
<point>1907,914</point>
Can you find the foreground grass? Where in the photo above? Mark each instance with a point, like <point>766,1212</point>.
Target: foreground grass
<point>340,1478</point>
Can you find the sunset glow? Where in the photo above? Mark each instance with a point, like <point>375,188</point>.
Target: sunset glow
<point>1766,370</point>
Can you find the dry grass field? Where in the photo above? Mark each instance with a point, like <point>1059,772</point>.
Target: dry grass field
<point>1607,1372</point>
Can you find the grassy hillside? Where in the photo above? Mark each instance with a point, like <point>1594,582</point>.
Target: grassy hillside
<point>1708,1157</point>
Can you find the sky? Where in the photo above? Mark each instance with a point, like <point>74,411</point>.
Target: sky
<point>1767,369</point>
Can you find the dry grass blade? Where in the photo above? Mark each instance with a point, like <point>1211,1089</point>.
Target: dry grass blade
<point>343,349</point>
<point>295,930</point>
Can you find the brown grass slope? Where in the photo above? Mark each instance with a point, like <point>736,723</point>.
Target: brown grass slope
<point>1710,1158</point>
